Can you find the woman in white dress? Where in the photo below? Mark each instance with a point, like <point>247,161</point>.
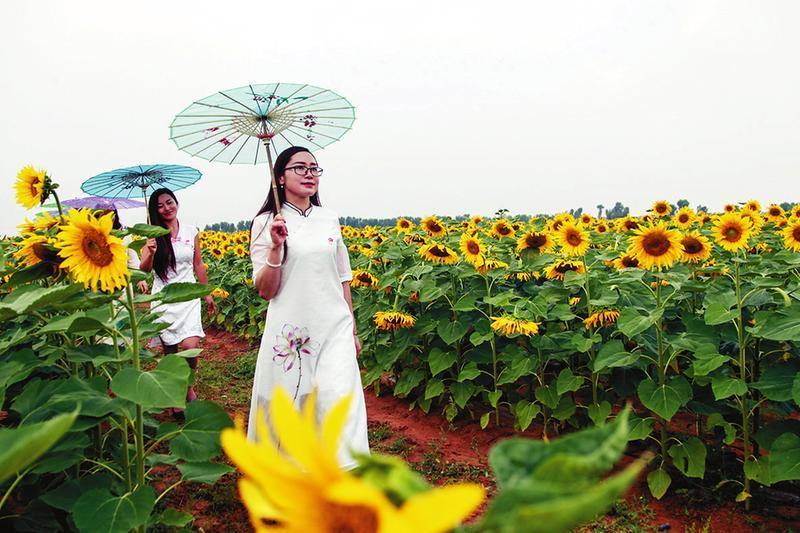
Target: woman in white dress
<point>176,258</point>
<point>300,264</point>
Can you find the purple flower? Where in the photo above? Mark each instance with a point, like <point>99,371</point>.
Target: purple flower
<point>291,344</point>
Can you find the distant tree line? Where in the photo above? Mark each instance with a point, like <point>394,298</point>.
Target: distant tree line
<point>617,211</point>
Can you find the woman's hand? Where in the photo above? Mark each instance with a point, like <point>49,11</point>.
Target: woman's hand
<point>142,286</point>
<point>211,305</point>
<point>358,344</point>
<point>150,246</point>
<point>278,231</point>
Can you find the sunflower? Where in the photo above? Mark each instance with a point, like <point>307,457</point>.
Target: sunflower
<point>490,264</point>
<point>438,253</point>
<point>796,211</point>
<point>575,300</point>
<point>523,276</point>
<point>433,226</point>
<point>393,320</point>
<point>293,483</point>
<point>684,218</point>
<point>240,250</point>
<point>656,246</point>
<point>36,248</point>
<point>219,292</point>
<point>791,236</point>
<point>756,220</point>
<point>217,252</point>
<point>502,228</point>
<point>774,213</point>
<point>560,268</point>
<point>729,208</point>
<point>661,208</point>
<point>475,220</point>
<point>91,254</point>
<point>752,205</point>
<point>628,224</point>
<point>573,239</point>
<point>586,219</point>
<point>362,278</point>
<point>601,319</point>
<point>625,261</point>
<point>732,231</point>
<point>508,325</point>
<point>30,186</point>
<point>414,238</point>
<point>403,225</point>
<point>473,249</point>
<point>26,228</point>
<point>538,241</point>
<point>696,248</point>
<point>601,227</point>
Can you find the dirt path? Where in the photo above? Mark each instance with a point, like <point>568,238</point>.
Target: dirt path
<point>445,452</point>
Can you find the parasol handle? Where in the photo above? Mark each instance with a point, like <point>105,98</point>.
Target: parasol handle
<point>273,181</point>
<point>146,210</point>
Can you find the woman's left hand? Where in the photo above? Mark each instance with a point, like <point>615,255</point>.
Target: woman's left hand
<point>358,344</point>
<point>211,305</point>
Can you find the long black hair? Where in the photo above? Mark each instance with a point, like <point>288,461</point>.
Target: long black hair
<point>279,169</point>
<point>164,258</point>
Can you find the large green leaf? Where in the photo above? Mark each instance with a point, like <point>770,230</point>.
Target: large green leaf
<point>776,382</point>
<point>99,511</point>
<point>16,367</point>
<point>29,298</point>
<point>462,392</point>
<point>177,292</point>
<point>524,413</point>
<point>780,325</point>
<point>716,314</point>
<point>199,438</point>
<point>67,494</point>
<point>165,386</point>
<point>207,473</point>
<point>725,387</point>
<point>147,230</point>
<point>689,457</point>
<point>440,360</point>
<point>613,354</point>
<point>658,481</point>
<point>21,446</point>
<point>574,460</point>
<point>568,382</point>
<point>666,399</point>
<point>782,463</point>
<point>631,322</point>
<point>450,332</point>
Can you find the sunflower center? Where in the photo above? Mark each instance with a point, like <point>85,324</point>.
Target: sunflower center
<point>535,241</point>
<point>732,233</point>
<point>563,268</point>
<point>433,227</point>
<point>364,278</point>
<point>439,251</point>
<point>661,208</point>
<point>502,229</point>
<point>775,212</point>
<point>351,519</point>
<point>656,244</point>
<point>557,224</point>
<point>473,248</point>
<point>574,238</point>
<point>692,245</point>
<point>630,262</point>
<point>796,233</point>
<point>404,223</point>
<point>631,224</point>
<point>96,248</point>
<point>683,218</point>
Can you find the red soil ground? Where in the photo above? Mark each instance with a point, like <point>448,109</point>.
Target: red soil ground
<point>465,443</point>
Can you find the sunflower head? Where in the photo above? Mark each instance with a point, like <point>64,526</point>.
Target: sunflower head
<point>601,319</point>
<point>35,249</point>
<point>438,253</point>
<point>362,278</point>
<point>656,246</point>
<point>628,224</point>
<point>393,320</point>
<point>473,249</point>
<point>729,208</point>
<point>537,241</point>
<point>753,206</point>
<point>573,239</point>
<point>601,227</point>
<point>219,292</point>
<point>774,213</point>
<point>586,219</point>
<point>32,187</point>
<point>732,231</point>
<point>490,264</point>
<point>511,326</point>
<point>502,228</point>
<point>791,236</point>
<point>684,218</point>
<point>661,208</point>
<point>403,225</point>
<point>559,269</point>
<point>433,226</point>
<point>626,261</point>
<point>91,253</point>
<point>696,248</point>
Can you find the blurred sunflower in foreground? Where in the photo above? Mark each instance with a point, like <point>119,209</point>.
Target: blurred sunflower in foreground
<point>293,482</point>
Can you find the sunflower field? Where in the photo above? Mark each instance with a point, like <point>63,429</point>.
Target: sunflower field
<point>557,321</point>
<point>81,442</point>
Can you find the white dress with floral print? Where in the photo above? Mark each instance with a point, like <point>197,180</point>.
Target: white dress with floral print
<point>308,338</point>
<point>184,317</point>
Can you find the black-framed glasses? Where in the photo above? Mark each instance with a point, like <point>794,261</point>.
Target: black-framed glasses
<point>303,171</point>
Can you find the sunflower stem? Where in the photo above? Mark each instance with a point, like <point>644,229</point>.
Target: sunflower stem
<point>494,350</point>
<point>58,203</point>
<point>743,376</point>
<point>594,376</point>
<point>662,375</point>
<point>139,427</point>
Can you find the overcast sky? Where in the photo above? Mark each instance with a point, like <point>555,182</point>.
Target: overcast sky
<point>462,107</point>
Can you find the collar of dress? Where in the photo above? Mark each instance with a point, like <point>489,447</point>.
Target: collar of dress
<point>298,210</point>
